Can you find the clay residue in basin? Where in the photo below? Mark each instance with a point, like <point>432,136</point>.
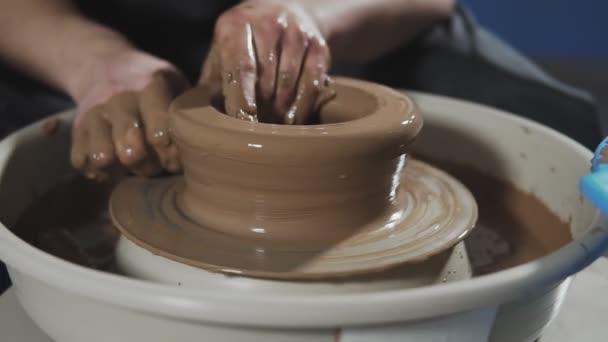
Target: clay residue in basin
<point>71,221</point>
<point>514,226</point>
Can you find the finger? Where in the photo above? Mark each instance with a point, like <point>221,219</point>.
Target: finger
<point>80,146</point>
<point>239,69</point>
<point>211,74</point>
<point>310,84</point>
<point>101,148</point>
<point>267,36</point>
<point>292,51</point>
<point>154,104</point>
<point>127,135</point>
<point>148,167</point>
<point>173,163</point>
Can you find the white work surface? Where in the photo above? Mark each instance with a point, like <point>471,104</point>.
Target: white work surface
<point>584,316</point>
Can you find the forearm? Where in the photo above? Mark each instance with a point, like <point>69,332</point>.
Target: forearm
<point>52,42</point>
<point>361,30</point>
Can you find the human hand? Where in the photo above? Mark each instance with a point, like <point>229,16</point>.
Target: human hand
<point>269,60</point>
<point>122,117</point>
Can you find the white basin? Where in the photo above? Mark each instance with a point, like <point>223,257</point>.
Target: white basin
<point>74,304</point>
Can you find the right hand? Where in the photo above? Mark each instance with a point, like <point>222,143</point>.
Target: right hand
<point>269,60</point>
<point>122,116</point>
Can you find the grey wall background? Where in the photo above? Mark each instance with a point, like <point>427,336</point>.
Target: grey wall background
<point>566,37</point>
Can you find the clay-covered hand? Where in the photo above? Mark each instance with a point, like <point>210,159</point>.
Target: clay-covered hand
<point>269,60</point>
<point>122,117</point>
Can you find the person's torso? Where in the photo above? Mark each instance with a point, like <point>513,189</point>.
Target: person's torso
<point>177,30</point>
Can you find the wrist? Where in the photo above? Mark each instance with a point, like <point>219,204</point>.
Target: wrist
<point>318,12</point>
<point>115,71</point>
<point>86,48</point>
<point>335,21</point>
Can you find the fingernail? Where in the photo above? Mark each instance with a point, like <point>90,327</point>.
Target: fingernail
<point>98,156</point>
<point>250,100</point>
<point>284,79</point>
<point>272,57</point>
<point>229,77</point>
<point>290,116</point>
<point>134,155</point>
<point>133,132</point>
<point>328,81</point>
<point>129,152</point>
<point>173,167</point>
<point>134,144</point>
<point>246,116</point>
<point>161,138</point>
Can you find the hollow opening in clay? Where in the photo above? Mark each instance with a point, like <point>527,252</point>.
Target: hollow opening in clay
<point>347,104</point>
<point>341,104</point>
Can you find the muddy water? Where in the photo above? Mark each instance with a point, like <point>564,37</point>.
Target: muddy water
<point>514,227</point>
<point>71,221</point>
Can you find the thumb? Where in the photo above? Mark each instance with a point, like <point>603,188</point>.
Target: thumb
<point>211,76</point>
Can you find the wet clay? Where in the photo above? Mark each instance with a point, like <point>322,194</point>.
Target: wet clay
<point>301,184</point>
<point>514,227</point>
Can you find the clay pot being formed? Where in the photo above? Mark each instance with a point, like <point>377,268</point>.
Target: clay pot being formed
<point>307,185</point>
<point>305,201</point>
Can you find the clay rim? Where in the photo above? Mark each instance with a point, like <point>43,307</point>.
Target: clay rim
<point>382,121</point>
<point>384,133</point>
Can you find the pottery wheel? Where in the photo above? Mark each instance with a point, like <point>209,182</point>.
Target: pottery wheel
<point>432,213</point>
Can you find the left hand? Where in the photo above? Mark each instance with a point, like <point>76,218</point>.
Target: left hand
<point>123,114</point>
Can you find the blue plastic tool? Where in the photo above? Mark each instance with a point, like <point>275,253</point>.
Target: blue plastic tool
<point>594,186</point>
